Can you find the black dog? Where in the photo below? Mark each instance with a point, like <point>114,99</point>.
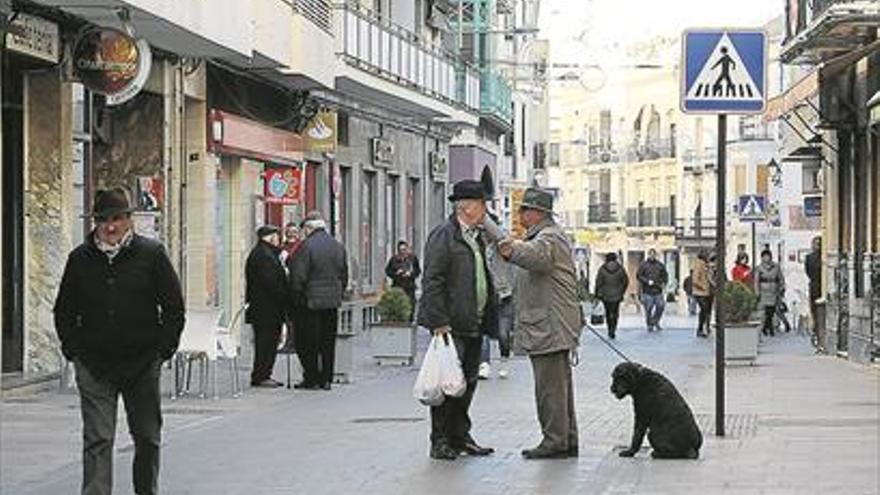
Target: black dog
<point>660,411</point>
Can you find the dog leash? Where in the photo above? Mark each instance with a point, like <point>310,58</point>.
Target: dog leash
<point>608,343</point>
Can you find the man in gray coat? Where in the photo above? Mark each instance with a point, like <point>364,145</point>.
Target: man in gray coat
<point>548,320</point>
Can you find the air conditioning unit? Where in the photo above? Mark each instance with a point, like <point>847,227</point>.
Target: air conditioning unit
<point>439,165</point>
<point>383,151</point>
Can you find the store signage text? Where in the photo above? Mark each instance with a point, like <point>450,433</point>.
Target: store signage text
<point>110,62</point>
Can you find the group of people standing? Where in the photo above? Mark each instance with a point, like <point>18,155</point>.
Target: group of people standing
<point>299,283</point>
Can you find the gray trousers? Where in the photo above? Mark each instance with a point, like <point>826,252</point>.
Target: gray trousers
<point>99,399</point>
<point>554,395</point>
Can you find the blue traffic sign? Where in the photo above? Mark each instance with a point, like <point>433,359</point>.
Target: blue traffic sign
<point>752,208</point>
<point>724,71</point>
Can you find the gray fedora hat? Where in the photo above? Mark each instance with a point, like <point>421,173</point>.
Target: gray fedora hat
<point>537,199</point>
<point>110,202</point>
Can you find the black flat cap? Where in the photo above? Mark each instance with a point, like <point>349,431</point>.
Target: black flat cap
<point>267,230</point>
<point>468,189</point>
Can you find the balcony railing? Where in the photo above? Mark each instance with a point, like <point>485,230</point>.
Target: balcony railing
<point>374,44</point>
<point>695,230</point>
<point>602,213</point>
<point>495,96</point>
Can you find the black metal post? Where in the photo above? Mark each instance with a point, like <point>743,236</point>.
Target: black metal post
<point>754,261</point>
<point>720,250</point>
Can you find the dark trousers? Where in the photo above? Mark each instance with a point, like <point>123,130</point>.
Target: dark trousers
<point>265,350</point>
<point>769,313</point>
<point>450,422</point>
<point>319,346</point>
<point>612,315</point>
<point>705,303</point>
<point>99,399</point>
<point>554,395</point>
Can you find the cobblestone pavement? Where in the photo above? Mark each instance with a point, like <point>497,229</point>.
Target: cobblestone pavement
<point>797,423</point>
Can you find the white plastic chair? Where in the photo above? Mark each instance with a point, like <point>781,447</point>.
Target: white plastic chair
<point>198,342</point>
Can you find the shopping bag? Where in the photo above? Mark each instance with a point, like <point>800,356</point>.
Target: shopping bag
<point>451,375</point>
<point>428,389</point>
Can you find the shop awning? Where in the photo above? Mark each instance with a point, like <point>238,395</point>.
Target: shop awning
<point>236,135</point>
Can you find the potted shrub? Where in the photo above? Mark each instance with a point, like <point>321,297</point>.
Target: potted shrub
<point>393,337</point>
<point>739,302</point>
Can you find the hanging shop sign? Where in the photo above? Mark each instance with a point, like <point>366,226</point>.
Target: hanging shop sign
<point>383,151</point>
<point>34,37</point>
<point>320,135</point>
<point>283,185</point>
<point>112,63</point>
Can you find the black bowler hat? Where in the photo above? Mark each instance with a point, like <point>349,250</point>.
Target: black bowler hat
<point>468,189</point>
<point>110,202</point>
<point>537,199</point>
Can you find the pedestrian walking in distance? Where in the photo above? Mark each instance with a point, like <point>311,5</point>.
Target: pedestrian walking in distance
<point>741,271</point>
<point>653,277</point>
<point>503,276</point>
<point>813,267</point>
<point>458,300</point>
<point>320,273</point>
<point>119,314</point>
<point>703,286</point>
<point>611,284</point>
<point>688,286</point>
<point>268,299</point>
<point>548,320</point>
<point>771,287</point>
<point>404,270</point>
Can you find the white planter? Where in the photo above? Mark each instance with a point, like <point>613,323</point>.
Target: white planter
<point>393,344</point>
<point>741,342</point>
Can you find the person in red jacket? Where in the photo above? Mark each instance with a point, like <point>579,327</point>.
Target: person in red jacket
<point>742,272</point>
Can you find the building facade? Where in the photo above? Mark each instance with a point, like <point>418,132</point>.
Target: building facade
<point>250,113</point>
<point>833,110</point>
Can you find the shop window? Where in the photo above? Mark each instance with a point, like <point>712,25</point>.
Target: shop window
<point>342,128</point>
<point>392,208</point>
<point>344,201</point>
<point>367,227</point>
<point>82,152</point>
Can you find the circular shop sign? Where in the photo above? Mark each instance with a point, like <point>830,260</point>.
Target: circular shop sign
<point>110,62</point>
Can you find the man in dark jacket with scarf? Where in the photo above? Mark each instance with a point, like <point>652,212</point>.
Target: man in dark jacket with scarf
<point>458,302</point>
<point>320,273</point>
<point>403,269</point>
<point>267,297</point>
<point>119,314</point>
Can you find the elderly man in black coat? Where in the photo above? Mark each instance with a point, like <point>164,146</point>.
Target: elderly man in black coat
<point>320,272</point>
<point>119,314</point>
<point>458,301</point>
<point>267,297</point>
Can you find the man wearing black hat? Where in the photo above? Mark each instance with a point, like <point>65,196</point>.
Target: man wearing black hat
<point>119,313</point>
<point>458,302</point>
<point>267,297</point>
<point>548,320</point>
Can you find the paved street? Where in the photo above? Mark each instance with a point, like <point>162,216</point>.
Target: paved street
<point>798,424</point>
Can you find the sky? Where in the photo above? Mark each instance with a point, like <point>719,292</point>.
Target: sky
<point>581,29</point>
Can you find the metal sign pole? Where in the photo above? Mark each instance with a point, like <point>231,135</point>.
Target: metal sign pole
<point>720,249</point>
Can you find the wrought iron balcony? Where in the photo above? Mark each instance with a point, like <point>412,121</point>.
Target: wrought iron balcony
<point>695,232</point>
<point>602,213</point>
<point>820,29</point>
<point>378,46</point>
<point>495,96</point>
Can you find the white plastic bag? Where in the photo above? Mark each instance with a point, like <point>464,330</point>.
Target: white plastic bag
<point>440,374</point>
<point>427,389</point>
<point>451,375</point>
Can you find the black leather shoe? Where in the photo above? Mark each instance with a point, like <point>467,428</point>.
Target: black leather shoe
<point>443,452</point>
<point>267,383</point>
<point>471,448</point>
<point>304,386</point>
<point>544,453</point>
<point>326,386</point>
<point>573,452</point>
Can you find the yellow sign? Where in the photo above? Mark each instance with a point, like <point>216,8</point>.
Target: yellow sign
<point>516,227</point>
<point>320,135</point>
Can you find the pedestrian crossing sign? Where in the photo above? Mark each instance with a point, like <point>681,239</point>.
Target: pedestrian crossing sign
<point>752,208</point>
<point>724,71</point>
